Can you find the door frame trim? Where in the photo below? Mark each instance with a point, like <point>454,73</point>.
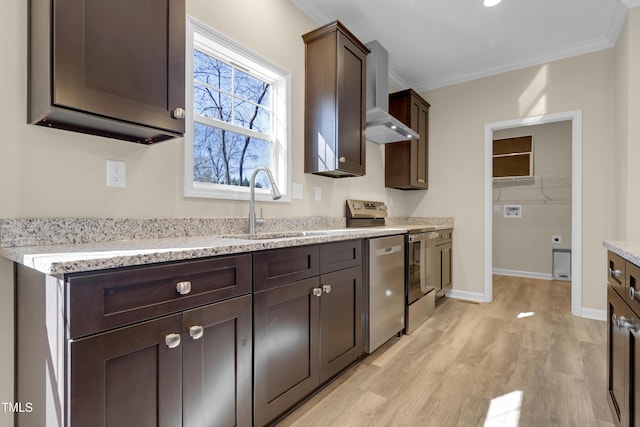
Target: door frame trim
<point>575,117</point>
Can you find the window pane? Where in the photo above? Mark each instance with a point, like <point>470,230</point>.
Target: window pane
<point>252,89</point>
<point>223,157</point>
<point>211,103</point>
<point>251,116</point>
<point>211,72</point>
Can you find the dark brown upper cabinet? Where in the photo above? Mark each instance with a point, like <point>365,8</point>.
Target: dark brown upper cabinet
<point>407,162</point>
<point>513,157</point>
<point>112,68</point>
<point>335,113</point>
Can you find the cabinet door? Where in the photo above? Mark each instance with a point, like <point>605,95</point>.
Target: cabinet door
<point>634,375</point>
<point>445,259</point>
<point>334,116</point>
<point>286,352</point>
<point>617,357</point>
<point>420,146</point>
<point>217,364</point>
<point>407,162</point>
<point>121,59</point>
<point>341,321</point>
<point>351,106</point>
<point>128,377</point>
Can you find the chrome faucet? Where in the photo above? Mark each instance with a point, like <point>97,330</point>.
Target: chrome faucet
<point>275,194</point>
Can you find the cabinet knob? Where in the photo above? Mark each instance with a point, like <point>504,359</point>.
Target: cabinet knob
<point>342,159</point>
<point>632,293</point>
<point>172,340</point>
<point>183,288</point>
<point>178,113</point>
<point>615,273</point>
<point>421,181</point>
<point>326,289</point>
<point>317,292</point>
<point>196,332</point>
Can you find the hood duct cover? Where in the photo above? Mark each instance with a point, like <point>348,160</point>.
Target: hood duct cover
<point>382,127</point>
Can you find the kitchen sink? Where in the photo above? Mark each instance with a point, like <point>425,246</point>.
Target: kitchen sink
<point>287,234</point>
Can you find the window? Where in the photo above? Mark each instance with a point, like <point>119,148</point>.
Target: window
<point>237,119</point>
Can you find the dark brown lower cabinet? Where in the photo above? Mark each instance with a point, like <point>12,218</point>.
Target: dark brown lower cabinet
<point>623,349</point>
<point>340,321</point>
<point>305,333</point>
<point>127,377</point>
<point>189,369</point>
<point>217,364</point>
<point>186,367</point>
<point>623,360</point>
<point>286,337</point>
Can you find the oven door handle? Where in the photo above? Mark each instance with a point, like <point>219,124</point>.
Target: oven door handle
<point>422,237</point>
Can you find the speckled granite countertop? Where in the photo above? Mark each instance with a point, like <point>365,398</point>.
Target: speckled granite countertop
<point>627,250</point>
<point>60,246</point>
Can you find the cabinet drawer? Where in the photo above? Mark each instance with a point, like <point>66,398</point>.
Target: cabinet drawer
<point>108,299</point>
<point>279,266</point>
<point>632,275</point>
<point>616,273</point>
<point>340,255</point>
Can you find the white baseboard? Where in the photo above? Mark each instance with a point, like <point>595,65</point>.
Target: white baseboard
<point>518,273</point>
<point>467,296</point>
<point>592,313</point>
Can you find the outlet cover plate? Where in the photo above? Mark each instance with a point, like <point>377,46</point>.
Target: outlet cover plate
<point>116,174</point>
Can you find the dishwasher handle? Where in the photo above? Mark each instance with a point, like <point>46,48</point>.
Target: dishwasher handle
<point>388,250</point>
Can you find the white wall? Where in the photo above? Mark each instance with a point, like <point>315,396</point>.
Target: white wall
<point>457,117</point>
<point>628,128</point>
<point>524,244</point>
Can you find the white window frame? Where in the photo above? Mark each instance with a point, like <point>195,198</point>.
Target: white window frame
<point>197,35</point>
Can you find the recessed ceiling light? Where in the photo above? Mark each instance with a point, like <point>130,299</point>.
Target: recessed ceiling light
<point>489,3</point>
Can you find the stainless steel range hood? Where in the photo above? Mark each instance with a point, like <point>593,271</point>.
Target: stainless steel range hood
<point>382,127</point>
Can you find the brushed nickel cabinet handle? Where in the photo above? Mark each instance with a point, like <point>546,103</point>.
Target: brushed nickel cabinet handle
<point>326,288</point>
<point>421,181</point>
<point>342,159</point>
<point>632,293</point>
<point>178,113</point>
<point>196,332</point>
<point>183,288</point>
<point>172,340</point>
<point>317,292</point>
<point>615,273</point>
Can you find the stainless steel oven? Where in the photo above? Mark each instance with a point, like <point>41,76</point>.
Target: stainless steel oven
<point>420,277</point>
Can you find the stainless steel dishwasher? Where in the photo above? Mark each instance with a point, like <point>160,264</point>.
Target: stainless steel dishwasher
<point>385,293</point>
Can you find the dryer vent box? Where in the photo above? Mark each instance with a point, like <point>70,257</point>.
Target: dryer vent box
<point>561,264</point>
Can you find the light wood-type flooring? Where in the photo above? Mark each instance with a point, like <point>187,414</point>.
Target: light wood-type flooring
<point>522,360</point>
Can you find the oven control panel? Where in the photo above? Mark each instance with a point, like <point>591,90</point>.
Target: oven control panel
<point>366,209</point>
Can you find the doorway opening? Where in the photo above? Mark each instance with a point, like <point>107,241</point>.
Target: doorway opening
<point>575,119</point>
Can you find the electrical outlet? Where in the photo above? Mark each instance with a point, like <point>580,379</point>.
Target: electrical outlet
<point>297,191</point>
<point>116,173</point>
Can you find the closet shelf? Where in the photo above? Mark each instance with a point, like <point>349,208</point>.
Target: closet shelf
<point>533,189</point>
<point>561,180</point>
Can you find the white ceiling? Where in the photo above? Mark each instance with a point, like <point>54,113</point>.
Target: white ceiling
<point>435,43</point>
